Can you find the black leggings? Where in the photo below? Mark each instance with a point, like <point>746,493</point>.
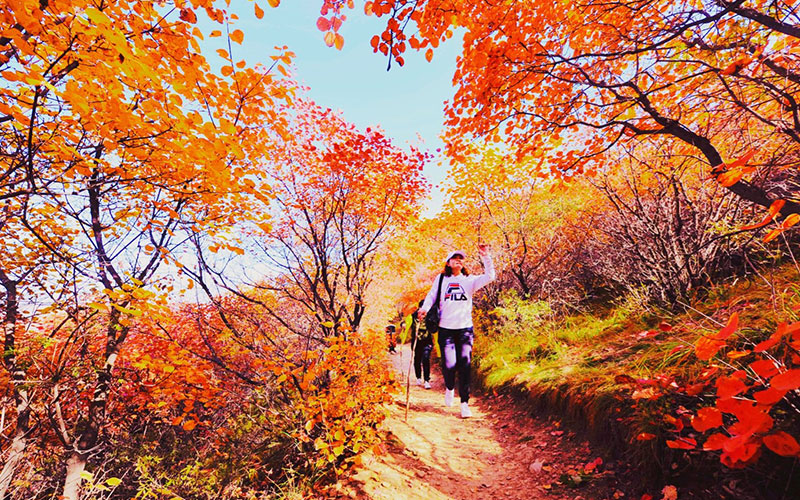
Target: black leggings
<point>456,347</point>
<point>422,359</point>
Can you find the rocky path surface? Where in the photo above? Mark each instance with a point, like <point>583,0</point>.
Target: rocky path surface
<point>502,452</point>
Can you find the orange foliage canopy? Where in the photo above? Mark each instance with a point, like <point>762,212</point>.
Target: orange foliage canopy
<point>594,74</point>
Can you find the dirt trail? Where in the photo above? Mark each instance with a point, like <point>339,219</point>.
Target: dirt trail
<point>502,452</point>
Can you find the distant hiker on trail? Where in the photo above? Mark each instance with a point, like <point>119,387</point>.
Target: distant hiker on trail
<point>453,290</point>
<point>422,340</point>
<point>390,337</point>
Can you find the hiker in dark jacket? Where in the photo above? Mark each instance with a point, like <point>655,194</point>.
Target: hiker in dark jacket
<point>422,341</point>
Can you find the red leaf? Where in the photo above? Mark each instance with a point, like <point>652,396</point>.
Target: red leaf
<point>772,340</point>
<point>695,389</point>
<point>715,442</point>
<point>682,443</point>
<point>664,326</point>
<point>707,418</point>
<point>733,324</point>
<point>624,379</point>
<point>769,396</point>
<point>783,444</point>
<point>764,368</point>
<point>645,436</point>
<point>727,387</point>
<point>675,422</point>
<point>786,381</point>
<point>323,24</point>
<point>739,451</point>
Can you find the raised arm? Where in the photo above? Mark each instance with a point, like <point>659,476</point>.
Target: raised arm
<point>489,275</point>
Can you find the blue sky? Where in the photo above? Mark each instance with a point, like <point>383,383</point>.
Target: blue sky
<point>405,102</point>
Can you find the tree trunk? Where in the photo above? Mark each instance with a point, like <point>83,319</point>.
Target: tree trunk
<point>21,396</point>
<point>76,464</point>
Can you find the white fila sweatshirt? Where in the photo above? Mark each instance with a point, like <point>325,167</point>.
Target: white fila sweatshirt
<point>455,306</point>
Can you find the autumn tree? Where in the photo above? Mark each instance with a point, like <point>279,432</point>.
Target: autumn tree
<point>569,81</point>
<point>339,194</point>
<point>119,142</point>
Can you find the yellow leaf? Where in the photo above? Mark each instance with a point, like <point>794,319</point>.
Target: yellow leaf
<point>327,324</point>
<point>97,17</point>
<point>126,310</point>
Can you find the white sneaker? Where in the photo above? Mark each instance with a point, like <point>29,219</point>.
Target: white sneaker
<point>427,385</point>
<point>448,397</point>
<point>419,381</point>
<point>465,413</point>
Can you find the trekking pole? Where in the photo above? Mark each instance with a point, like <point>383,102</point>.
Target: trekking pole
<point>408,377</point>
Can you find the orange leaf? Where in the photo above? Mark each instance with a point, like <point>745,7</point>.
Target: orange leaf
<point>705,348</point>
<point>188,15</point>
<point>330,38</point>
<point>772,235</point>
<point>215,34</point>
<point>774,210</point>
<point>237,36</point>
<point>730,177</point>
<point>368,8</point>
<point>783,444</point>
<point>790,221</point>
<point>786,381</point>
<point>338,41</point>
<point>259,12</point>
<point>429,55</point>
<point>274,3</point>
<point>742,160</point>
<point>189,425</point>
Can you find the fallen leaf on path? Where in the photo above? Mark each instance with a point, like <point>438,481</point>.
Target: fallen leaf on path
<point>670,493</point>
<point>536,466</point>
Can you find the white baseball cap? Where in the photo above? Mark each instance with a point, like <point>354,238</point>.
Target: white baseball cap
<point>453,254</point>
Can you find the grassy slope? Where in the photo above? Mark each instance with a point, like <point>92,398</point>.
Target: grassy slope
<point>575,367</point>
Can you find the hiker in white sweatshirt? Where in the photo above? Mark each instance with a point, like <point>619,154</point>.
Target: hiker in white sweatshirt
<point>455,320</point>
